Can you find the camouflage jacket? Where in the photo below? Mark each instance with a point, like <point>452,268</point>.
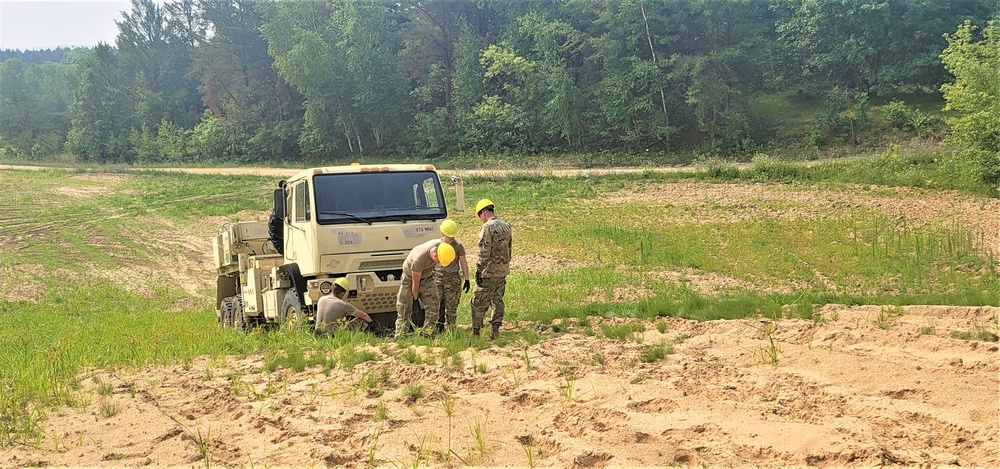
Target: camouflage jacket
<point>495,241</point>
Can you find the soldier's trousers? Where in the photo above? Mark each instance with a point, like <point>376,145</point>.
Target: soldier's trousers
<point>449,287</point>
<point>488,293</point>
<point>426,296</point>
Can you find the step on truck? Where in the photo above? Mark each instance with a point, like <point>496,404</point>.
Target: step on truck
<point>357,222</point>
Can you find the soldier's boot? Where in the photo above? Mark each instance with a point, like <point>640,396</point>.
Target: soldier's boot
<point>496,332</point>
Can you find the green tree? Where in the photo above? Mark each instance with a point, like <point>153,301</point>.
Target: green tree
<point>343,57</point>
<point>871,45</point>
<point>718,103</point>
<point>469,89</point>
<point>720,58</point>
<point>102,110</point>
<point>442,42</point>
<point>241,86</point>
<point>34,99</point>
<point>16,120</point>
<point>633,45</point>
<point>559,97</point>
<point>157,56</point>
<point>500,121</point>
<point>975,94</point>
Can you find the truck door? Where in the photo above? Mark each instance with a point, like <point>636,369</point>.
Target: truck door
<point>298,213</point>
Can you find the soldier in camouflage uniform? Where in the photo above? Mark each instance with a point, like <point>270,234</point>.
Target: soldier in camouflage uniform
<point>333,312</point>
<point>452,280</point>
<point>417,285</point>
<point>492,267</point>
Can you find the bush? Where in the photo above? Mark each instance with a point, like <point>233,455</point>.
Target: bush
<point>430,136</point>
<point>174,142</point>
<point>843,117</point>
<point>988,166</point>
<point>900,116</point>
<point>973,61</point>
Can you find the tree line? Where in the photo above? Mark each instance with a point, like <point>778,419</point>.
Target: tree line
<point>266,81</point>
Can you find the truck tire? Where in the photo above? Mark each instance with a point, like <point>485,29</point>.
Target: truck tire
<point>239,320</point>
<point>292,315</point>
<point>226,313</point>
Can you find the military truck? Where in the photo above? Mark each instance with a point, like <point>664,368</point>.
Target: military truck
<point>357,222</point>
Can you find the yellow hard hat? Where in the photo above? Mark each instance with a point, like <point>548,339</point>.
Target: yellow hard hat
<point>449,228</point>
<point>342,283</point>
<point>483,203</point>
<point>446,254</point>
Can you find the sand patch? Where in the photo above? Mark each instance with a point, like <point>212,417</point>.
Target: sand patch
<point>843,392</point>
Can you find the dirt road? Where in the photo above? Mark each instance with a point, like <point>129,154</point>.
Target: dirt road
<point>282,172</point>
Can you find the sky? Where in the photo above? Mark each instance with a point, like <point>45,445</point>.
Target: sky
<point>37,24</point>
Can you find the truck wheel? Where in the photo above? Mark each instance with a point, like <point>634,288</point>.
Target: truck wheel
<point>291,310</point>
<point>226,313</point>
<point>239,320</point>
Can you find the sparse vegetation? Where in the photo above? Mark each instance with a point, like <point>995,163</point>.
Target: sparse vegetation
<point>371,384</point>
<point>478,430</point>
<point>768,353</point>
<point>977,332</point>
<point>205,445</point>
<point>653,353</point>
<point>569,386</point>
<point>448,407</point>
<point>381,413</point>
<point>105,389</point>
<point>626,331</point>
<point>884,316</point>
<point>513,374</point>
<point>411,356</point>
<point>370,463</point>
<point>850,256</point>
<point>413,392</point>
<point>109,407</point>
<point>528,447</point>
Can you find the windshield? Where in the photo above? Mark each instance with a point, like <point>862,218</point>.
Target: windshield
<point>378,196</point>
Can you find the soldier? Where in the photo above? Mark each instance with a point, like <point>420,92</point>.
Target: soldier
<point>332,309</point>
<point>492,267</point>
<point>417,286</point>
<point>449,280</point>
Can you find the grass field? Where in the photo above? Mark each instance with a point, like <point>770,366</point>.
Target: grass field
<point>107,270</point>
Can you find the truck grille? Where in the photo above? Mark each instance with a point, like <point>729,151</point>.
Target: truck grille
<point>381,265</point>
<point>379,302</point>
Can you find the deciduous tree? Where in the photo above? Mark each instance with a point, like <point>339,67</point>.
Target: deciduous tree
<point>975,94</point>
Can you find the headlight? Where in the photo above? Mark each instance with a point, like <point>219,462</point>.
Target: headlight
<point>325,287</point>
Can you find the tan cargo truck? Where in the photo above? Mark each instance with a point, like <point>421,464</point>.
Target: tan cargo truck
<point>357,221</point>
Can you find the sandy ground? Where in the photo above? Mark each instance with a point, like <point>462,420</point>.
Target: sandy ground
<point>865,386</point>
<point>840,392</point>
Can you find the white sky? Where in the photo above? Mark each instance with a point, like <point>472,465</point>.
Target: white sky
<point>34,25</point>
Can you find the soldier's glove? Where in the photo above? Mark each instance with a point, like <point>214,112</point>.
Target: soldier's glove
<point>465,286</point>
<point>479,278</point>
